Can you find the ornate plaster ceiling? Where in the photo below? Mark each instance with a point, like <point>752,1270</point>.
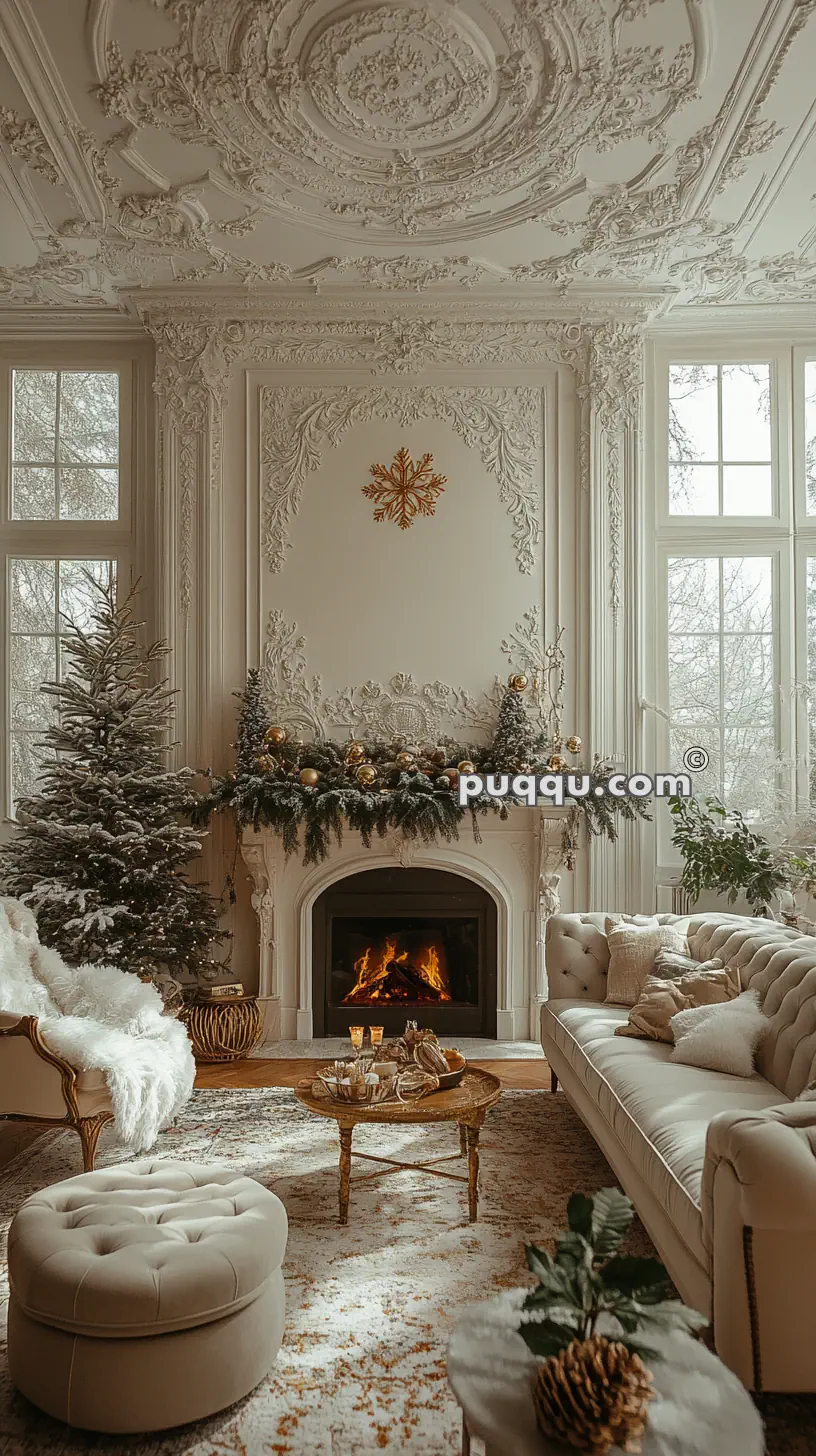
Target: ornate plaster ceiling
<point>570,149</point>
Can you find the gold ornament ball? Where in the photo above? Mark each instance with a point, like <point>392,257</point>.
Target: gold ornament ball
<point>276,735</point>
<point>445,781</point>
<point>466,766</point>
<point>309,777</point>
<point>267,763</point>
<point>557,763</point>
<point>404,759</point>
<point>355,751</point>
<point>574,744</point>
<point>453,775</point>
<point>518,682</point>
<point>366,774</point>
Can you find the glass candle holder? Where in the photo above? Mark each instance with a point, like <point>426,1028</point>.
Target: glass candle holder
<point>376,1034</point>
<point>357,1033</point>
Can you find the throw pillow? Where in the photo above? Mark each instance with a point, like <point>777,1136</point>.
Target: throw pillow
<point>721,1038</point>
<point>662,998</point>
<point>650,1018</point>
<point>632,950</point>
<point>670,964</point>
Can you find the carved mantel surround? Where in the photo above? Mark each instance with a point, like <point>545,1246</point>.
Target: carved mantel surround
<point>511,863</point>
<point>202,343</point>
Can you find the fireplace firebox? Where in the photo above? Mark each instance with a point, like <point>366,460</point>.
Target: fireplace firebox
<point>392,945</point>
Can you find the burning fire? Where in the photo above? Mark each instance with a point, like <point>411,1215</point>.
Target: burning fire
<point>387,974</point>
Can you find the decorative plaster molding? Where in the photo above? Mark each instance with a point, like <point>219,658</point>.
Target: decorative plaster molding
<point>23,137</point>
<point>400,708</point>
<point>504,425</point>
<point>339,120</point>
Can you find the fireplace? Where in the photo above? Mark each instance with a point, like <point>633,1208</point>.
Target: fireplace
<point>392,945</point>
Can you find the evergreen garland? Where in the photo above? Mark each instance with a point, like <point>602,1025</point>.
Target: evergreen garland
<point>418,799</point>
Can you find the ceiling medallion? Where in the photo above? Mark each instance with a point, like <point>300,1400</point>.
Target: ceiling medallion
<point>421,118</point>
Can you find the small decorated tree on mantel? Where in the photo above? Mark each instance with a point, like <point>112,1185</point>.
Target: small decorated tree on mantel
<point>101,849</point>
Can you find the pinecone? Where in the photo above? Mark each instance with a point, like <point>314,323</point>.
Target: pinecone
<point>593,1396</point>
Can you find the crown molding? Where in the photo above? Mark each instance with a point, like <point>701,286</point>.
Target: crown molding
<point>101,323</point>
<point>782,321</point>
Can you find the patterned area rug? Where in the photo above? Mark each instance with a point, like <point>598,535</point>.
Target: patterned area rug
<point>369,1307</point>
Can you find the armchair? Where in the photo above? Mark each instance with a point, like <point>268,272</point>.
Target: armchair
<point>38,1085</point>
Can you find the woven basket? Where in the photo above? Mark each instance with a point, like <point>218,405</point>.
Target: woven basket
<point>222,1031</point>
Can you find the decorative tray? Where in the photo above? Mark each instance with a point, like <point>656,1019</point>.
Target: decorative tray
<point>404,1072</point>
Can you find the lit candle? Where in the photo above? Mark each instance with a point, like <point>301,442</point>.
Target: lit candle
<point>376,1034</point>
<point>356,1033</point>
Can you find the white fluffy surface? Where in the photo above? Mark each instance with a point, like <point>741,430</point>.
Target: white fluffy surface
<point>723,1038</point>
<point>99,1017</point>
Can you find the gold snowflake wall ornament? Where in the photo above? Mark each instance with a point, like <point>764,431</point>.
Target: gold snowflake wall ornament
<point>405,489</point>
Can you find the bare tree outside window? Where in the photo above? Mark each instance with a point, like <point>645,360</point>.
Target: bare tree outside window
<point>720,440</point>
<point>65,445</point>
<point>722,676</point>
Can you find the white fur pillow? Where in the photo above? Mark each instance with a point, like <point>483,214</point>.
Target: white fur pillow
<point>722,1038</point>
<point>633,946</point>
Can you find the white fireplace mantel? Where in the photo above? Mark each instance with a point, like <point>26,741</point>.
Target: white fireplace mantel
<point>513,862</point>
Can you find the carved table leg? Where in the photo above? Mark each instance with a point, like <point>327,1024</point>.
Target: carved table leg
<point>463,1139</point>
<point>89,1129</point>
<point>465,1436</point>
<point>345,1171</point>
<point>473,1172</point>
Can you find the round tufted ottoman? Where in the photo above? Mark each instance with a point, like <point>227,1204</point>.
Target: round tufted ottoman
<point>145,1295</point>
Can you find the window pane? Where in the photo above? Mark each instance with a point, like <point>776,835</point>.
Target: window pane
<point>747,490</point>
<point>747,593</point>
<point>746,407</point>
<point>25,763</point>
<point>88,495</point>
<point>693,412</point>
<point>694,490</point>
<point>32,588</point>
<point>810,434</point>
<point>34,493</point>
<point>34,415</point>
<point>698,735</point>
<point>748,692</point>
<point>694,594</point>
<point>32,661</point>
<point>89,418</point>
<point>722,682</point>
<point>694,679</point>
<point>70,418</point>
<point>77,596</point>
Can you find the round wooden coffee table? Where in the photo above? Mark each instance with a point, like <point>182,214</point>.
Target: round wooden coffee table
<point>468,1105</point>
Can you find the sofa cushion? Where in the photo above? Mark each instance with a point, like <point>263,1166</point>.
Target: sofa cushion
<point>659,1110</point>
<point>144,1248</point>
<point>780,964</point>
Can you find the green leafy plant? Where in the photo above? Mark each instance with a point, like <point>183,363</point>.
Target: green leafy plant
<point>721,852</point>
<point>587,1280</point>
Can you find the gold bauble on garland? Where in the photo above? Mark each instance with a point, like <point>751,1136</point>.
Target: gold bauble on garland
<point>404,760</point>
<point>518,681</point>
<point>557,763</point>
<point>466,766</point>
<point>355,751</point>
<point>593,1396</point>
<point>366,774</point>
<point>574,744</point>
<point>275,735</point>
<point>266,763</point>
<point>444,781</point>
<point>309,777</point>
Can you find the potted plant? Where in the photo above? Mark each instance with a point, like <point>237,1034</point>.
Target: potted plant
<point>721,852</point>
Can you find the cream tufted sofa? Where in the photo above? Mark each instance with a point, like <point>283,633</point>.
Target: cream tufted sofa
<point>722,1169</point>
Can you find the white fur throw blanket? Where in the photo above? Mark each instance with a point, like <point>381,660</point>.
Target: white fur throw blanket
<point>99,1017</point>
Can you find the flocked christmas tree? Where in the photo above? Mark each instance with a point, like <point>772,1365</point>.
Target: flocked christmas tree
<point>512,749</point>
<point>101,850</point>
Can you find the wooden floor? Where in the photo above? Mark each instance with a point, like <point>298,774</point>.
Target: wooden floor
<point>279,1072</point>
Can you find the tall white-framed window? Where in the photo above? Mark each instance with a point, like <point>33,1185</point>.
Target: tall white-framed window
<point>66,515</point>
<point>723,519</point>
